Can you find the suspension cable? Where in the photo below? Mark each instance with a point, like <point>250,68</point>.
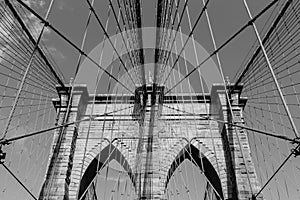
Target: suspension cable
<point>35,43</point>
<point>189,36</point>
<point>225,43</point>
<point>7,141</point>
<point>26,71</point>
<point>274,174</point>
<point>71,43</point>
<point>120,30</point>
<point>177,28</point>
<point>267,133</point>
<point>272,72</point>
<point>107,36</point>
<point>19,181</point>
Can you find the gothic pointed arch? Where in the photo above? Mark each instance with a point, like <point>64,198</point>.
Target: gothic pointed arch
<point>109,153</point>
<point>193,154</point>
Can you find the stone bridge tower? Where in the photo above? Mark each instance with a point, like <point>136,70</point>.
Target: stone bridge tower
<point>150,133</point>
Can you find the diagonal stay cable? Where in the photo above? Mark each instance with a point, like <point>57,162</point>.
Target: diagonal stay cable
<point>91,7</point>
<point>19,181</point>
<point>187,40</point>
<point>94,98</point>
<point>266,38</point>
<point>20,29</point>
<point>283,100</point>
<point>26,72</point>
<point>249,23</point>
<point>47,23</point>
<point>229,103</point>
<point>34,42</point>
<point>46,62</point>
<point>83,42</point>
<point>62,131</point>
<point>267,133</point>
<point>100,168</point>
<point>7,141</point>
<point>274,174</point>
<point>266,28</point>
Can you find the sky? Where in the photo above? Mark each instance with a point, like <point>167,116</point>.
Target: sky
<point>69,17</point>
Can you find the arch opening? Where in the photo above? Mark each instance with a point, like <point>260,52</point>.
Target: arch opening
<point>108,154</point>
<point>191,153</point>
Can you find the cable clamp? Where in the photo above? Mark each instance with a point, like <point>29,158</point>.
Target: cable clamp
<point>296,141</point>
<point>2,156</point>
<point>296,151</point>
<point>46,23</point>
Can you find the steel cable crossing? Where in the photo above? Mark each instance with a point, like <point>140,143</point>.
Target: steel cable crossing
<point>226,43</point>
<point>264,109</point>
<point>215,52</point>
<point>161,57</point>
<point>71,43</point>
<point>190,93</point>
<point>33,80</point>
<point>5,142</point>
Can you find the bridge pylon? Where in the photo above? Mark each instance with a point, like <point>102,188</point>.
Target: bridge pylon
<point>150,138</point>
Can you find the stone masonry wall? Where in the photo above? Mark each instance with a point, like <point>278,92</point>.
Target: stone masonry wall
<point>221,144</point>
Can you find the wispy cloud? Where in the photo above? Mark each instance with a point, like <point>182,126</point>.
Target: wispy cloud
<point>55,53</point>
<point>64,5</point>
<point>35,26</point>
<point>35,3</point>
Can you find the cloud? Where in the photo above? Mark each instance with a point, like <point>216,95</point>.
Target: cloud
<point>61,5</point>
<point>33,23</point>
<point>35,26</point>
<point>64,5</point>
<point>55,53</point>
<point>35,3</point>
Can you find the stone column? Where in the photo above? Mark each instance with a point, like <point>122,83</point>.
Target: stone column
<point>235,143</point>
<point>57,180</point>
